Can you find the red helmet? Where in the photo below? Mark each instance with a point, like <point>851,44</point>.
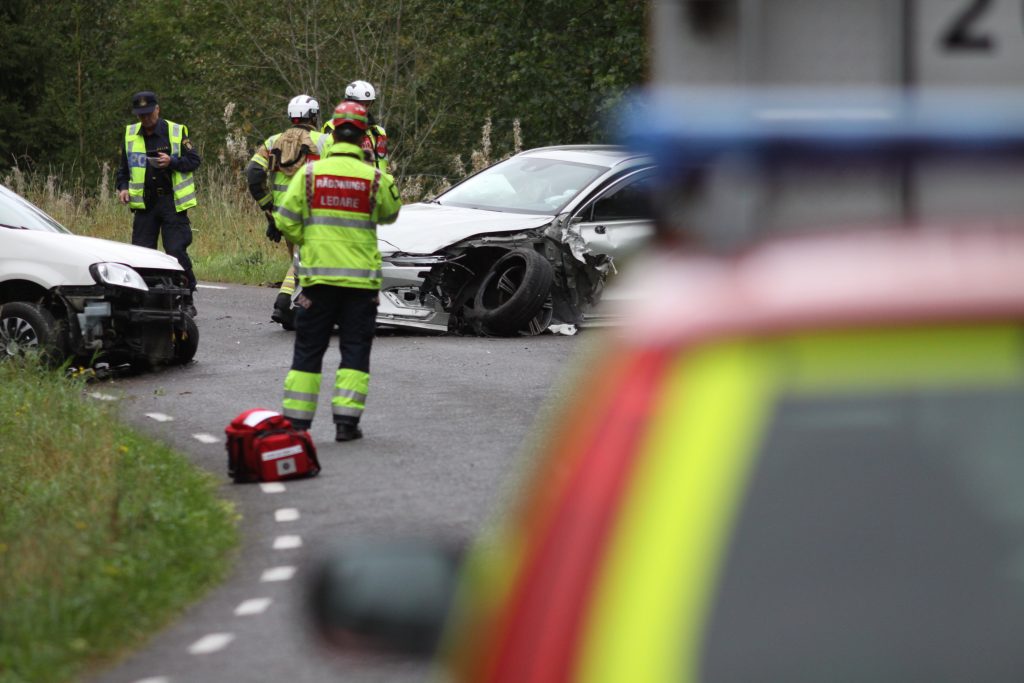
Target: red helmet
<point>350,112</point>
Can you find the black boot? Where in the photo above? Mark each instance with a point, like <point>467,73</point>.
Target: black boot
<point>347,431</point>
<point>283,313</point>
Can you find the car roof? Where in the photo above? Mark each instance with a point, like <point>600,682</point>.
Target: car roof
<point>604,155</point>
<point>841,279</point>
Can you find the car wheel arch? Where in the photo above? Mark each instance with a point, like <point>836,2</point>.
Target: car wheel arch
<point>21,290</point>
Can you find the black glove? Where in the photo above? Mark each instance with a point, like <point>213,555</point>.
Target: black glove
<point>273,234</point>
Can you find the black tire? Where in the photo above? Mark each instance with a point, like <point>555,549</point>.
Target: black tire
<point>513,292</point>
<point>186,342</point>
<point>30,327</point>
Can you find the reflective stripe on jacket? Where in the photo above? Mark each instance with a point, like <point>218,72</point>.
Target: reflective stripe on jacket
<point>182,184</point>
<point>331,209</point>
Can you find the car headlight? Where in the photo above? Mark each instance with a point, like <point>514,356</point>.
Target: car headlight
<point>118,275</point>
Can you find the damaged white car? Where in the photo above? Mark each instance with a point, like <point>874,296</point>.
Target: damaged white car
<point>525,243</point>
<point>85,298</point>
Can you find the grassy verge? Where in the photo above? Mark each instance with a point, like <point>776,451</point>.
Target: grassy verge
<point>104,534</point>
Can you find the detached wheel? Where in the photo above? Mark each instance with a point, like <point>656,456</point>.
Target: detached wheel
<point>26,327</point>
<point>541,321</point>
<point>186,342</point>
<point>513,292</point>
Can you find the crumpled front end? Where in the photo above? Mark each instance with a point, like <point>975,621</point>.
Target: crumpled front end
<point>123,324</point>
<point>402,301</point>
<point>438,292</point>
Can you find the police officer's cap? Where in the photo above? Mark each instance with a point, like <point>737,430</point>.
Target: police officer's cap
<point>143,102</point>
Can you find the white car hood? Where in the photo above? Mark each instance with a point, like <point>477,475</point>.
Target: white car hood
<point>427,228</point>
<point>68,257</point>
<point>95,250</point>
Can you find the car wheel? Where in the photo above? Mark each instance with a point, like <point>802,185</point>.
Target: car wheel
<point>513,292</point>
<point>541,321</point>
<point>186,342</point>
<point>30,327</point>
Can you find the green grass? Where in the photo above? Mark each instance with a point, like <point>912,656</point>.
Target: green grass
<point>104,535</point>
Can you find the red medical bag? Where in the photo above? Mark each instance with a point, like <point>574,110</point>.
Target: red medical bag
<point>264,446</point>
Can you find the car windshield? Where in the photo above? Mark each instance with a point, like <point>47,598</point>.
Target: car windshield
<point>18,213</point>
<point>867,516</point>
<point>524,185</point>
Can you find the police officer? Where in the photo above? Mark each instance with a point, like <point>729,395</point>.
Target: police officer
<point>278,159</point>
<point>331,210</point>
<point>375,144</point>
<point>155,181</point>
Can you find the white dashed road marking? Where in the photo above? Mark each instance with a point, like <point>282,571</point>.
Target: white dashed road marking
<point>278,574</point>
<point>272,487</point>
<point>154,679</point>
<point>254,606</point>
<point>209,287</point>
<point>205,438</point>
<point>287,542</point>
<point>286,515</point>
<point>211,643</point>
<point>160,417</point>
<point>100,396</point>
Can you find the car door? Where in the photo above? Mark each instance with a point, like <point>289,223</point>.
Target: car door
<point>619,220</point>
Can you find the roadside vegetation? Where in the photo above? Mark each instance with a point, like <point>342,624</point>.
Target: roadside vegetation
<point>104,535</point>
<point>559,67</point>
<point>529,74</point>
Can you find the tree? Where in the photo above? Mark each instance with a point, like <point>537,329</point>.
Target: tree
<point>24,64</point>
<point>441,70</point>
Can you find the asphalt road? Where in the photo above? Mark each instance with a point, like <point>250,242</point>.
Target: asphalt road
<point>445,423</point>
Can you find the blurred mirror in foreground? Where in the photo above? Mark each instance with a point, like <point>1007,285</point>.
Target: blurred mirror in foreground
<point>383,596</point>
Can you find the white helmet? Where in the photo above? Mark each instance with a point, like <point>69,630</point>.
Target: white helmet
<point>303,107</point>
<point>360,91</point>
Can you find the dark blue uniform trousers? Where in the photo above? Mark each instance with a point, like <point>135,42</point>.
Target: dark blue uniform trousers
<point>353,310</point>
<point>148,224</point>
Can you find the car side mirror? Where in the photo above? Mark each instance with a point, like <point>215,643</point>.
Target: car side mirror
<point>390,596</point>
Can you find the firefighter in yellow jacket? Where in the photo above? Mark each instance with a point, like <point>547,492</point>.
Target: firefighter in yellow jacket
<point>274,163</point>
<point>331,210</point>
<point>375,142</point>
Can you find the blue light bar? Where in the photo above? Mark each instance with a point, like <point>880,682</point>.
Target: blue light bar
<point>684,128</point>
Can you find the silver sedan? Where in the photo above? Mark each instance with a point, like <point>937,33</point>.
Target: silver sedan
<point>523,244</point>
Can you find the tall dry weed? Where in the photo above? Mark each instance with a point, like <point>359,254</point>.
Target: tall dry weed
<point>479,159</point>
<point>421,187</point>
<point>235,152</point>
